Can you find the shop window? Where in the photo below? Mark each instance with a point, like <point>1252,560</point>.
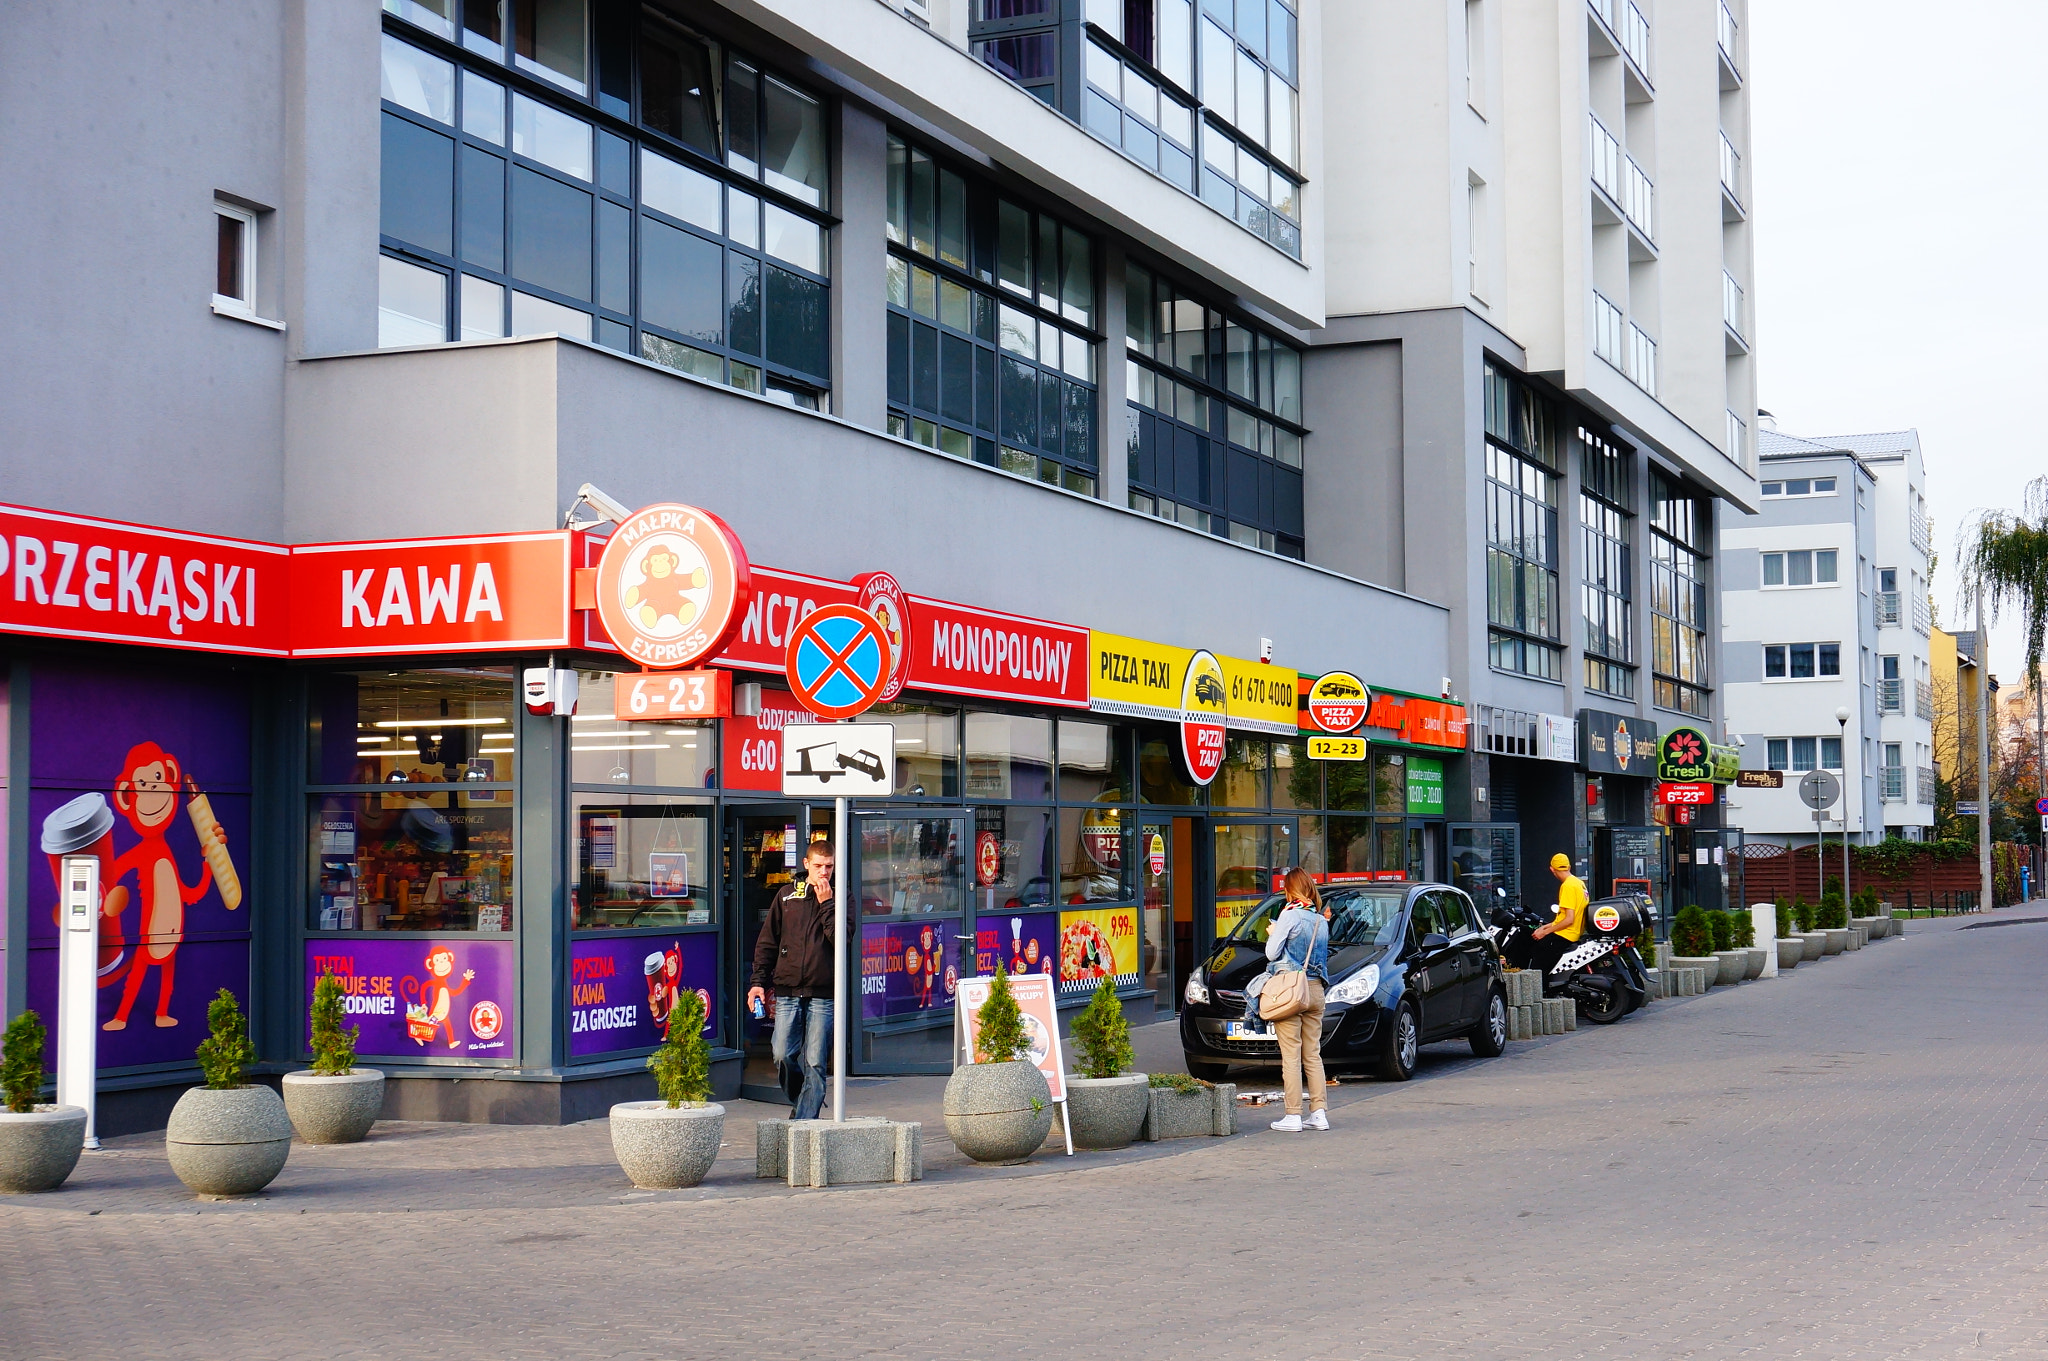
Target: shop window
<point>641,861</point>
<point>1094,762</point>
<point>1347,785</point>
<point>1024,870</point>
<point>1389,782</point>
<point>1241,783</point>
<point>1297,781</point>
<point>912,867</point>
<point>412,859</point>
<point>605,751</point>
<point>927,749</point>
<point>1162,779</point>
<point>1008,757</point>
<point>1093,866</point>
<point>411,727</point>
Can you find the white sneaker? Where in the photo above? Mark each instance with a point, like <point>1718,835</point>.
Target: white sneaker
<point>1316,1120</point>
<point>1288,1124</point>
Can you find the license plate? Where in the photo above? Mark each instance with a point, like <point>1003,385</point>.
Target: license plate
<point>1243,1030</point>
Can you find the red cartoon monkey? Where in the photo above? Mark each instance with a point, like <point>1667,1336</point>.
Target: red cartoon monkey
<point>662,593</point>
<point>147,795</point>
<point>437,997</point>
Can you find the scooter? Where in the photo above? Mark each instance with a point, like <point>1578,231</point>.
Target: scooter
<point>1602,972</point>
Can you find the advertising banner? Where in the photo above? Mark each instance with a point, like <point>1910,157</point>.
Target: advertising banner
<point>1685,755</point>
<point>430,595</point>
<point>73,576</point>
<point>453,998</point>
<point>1132,678</point>
<point>1099,943</point>
<point>1263,697</point>
<point>907,968</point>
<point>623,991</point>
<point>147,770</point>
<point>1027,943</point>
<point>1041,1018</point>
<point>1425,786</point>
<point>750,752</point>
<point>1203,710</point>
<point>1617,744</point>
<point>1408,718</point>
<point>1336,702</point>
<point>965,650</point>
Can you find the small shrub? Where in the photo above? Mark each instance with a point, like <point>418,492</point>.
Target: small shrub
<point>1691,936</point>
<point>1002,1036</point>
<point>1102,1037</point>
<point>1803,914</point>
<point>1833,913</point>
<point>225,1055</point>
<point>1721,926</point>
<point>21,1062</point>
<point>1647,948</point>
<point>1745,930</point>
<point>1184,1083</point>
<point>1786,924</point>
<point>334,1049</point>
<point>682,1066</point>
<point>1866,901</point>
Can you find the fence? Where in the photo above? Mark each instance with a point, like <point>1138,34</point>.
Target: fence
<point>1770,872</point>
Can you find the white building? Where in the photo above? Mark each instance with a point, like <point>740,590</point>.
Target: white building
<point>1825,602</point>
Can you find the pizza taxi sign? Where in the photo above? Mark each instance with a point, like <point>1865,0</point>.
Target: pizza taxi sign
<point>672,585</point>
<point>1204,708</point>
<point>1338,702</point>
<point>1606,918</point>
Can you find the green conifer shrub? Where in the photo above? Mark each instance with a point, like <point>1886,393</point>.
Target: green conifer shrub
<point>334,1049</point>
<point>21,1062</point>
<point>1721,926</point>
<point>1691,935</point>
<point>682,1066</point>
<point>1102,1037</point>
<point>1002,1036</point>
<point>225,1055</point>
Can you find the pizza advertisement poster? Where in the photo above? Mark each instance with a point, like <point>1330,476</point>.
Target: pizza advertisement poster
<point>1099,943</point>
<point>1036,999</point>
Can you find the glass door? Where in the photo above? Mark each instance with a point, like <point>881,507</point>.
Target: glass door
<point>764,846</point>
<point>911,871</point>
<point>1250,857</point>
<point>1159,963</point>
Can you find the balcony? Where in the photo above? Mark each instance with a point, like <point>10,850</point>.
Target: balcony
<point>1737,430</point>
<point>1638,198</point>
<point>1625,345</point>
<point>1727,32</point>
<point>1923,699</point>
<point>1887,609</point>
<point>1891,696</point>
<point>1732,314</point>
<point>1731,181</point>
<point>1630,192</point>
<point>1891,783</point>
<point>1642,359</point>
<point>1635,37</point>
<point>1604,159</point>
<point>1926,786</point>
<point>1607,332</point>
<point>1923,616</point>
<point>1922,531</point>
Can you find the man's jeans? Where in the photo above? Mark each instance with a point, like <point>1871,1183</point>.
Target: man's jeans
<point>816,1040</point>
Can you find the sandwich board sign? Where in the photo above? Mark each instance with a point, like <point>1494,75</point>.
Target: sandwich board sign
<point>839,760</point>
<point>1034,994</point>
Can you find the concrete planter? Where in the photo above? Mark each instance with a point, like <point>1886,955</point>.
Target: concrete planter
<point>661,1148</point>
<point>39,1148</point>
<point>336,1109</point>
<point>1790,951</point>
<point>1758,956</point>
<point>1816,944</point>
<point>1211,1111</point>
<point>1734,967</point>
<point>228,1143</point>
<point>1837,939</point>
<point>998,1112</point>
<point>1107,1112</point>
<point>1710,965</point>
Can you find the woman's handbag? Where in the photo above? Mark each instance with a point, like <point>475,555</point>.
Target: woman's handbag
<point>1285,995</point>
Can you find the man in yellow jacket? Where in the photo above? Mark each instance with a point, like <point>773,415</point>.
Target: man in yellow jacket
<point>1565,929</point>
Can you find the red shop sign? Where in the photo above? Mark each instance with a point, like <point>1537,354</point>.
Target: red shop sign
<point>431,595</point>
<point>965,650</point>
<point>1691,795</point>
<point>750,754</point>
<point>73,576</point>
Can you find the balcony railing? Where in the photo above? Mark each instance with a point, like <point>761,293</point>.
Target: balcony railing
<point>1926,782</point>
<point>1892,783</point>
<point>1887,609</point>
<point>1605,9</point>
<point>1605,158</point>
<point>1923,699</point>
<point>1737,428</point>
<point>1638,198</point>
<point>1642,359</point>
<point>1923,617</point>
<point>1891,695</point>
<point>1607,332</point>
<point>1635,36</point>
<point>1731,169</point>
<point>1922,532</point>
<point>1731,303</point>
<point>1726,31</point>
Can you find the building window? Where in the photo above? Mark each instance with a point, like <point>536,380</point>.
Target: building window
<point>1799,754</point>
<point>699,244</point>
<point>1521,529</point>
<point>992,314</point>
<point>1608,592</point>
<point>1679,532</point>
<point>1801,486</point>
<point>1019,39</point>
<point>1803,567</point>
<point>234,273</point>
<point>1802,661</point>
<point>1213,433</point>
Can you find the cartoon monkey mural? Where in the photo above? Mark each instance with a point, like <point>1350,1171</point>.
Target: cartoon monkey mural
<point>662,593</point>
<point>433,998</point>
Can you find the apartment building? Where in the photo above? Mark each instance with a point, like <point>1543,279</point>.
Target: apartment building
<point>1826,600</point>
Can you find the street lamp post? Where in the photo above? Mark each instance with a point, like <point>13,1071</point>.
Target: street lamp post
<point>1842,720</point>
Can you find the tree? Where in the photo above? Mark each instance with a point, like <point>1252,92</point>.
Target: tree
<point>2004,560</point>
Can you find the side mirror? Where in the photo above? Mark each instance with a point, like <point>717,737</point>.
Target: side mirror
<point>1435,940</point>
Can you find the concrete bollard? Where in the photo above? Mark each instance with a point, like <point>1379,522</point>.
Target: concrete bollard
<point>1764,917</point>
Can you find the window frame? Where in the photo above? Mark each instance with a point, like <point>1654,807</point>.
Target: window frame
<point>244,304</point>
<point>1606,489</point>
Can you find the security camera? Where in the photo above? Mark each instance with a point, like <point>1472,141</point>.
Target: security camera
<point>1447,687</point>
<point>605,506</point>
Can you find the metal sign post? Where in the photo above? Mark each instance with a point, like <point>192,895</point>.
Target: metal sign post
<point>78,989</point>
<point>1818,790</point>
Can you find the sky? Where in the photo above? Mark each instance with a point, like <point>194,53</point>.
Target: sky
<point>1900,186</point>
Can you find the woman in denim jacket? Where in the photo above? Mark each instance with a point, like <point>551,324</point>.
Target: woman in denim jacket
<point>1300,939</point>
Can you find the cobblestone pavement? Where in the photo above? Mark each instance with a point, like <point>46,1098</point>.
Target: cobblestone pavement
<point>1851,1161</point>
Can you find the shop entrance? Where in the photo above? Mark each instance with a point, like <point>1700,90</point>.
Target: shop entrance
<point>1423,852</point>
<point>1166,875</point>
<point>915,935</point>
<point>764,850</point>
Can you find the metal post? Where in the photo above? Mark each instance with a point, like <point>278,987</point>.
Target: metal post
<point>1983,754</point>
<point>1847,786</point>
<point>78,1028</point>
<point>2040,779</point>
<point>839,862</point>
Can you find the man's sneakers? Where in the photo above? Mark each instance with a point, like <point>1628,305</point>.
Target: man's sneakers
<point>1288,1124</point>
<point>1317,1120</point>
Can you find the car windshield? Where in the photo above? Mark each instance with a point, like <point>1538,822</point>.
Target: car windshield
<point>1358,916</point>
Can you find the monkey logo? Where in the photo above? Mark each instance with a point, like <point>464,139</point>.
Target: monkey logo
<point>147,793</point>
<point>882,597</point>
<point>486,1020</point>
<point>670,593</point>
<point>429,1000</point>
<point>672,584</point>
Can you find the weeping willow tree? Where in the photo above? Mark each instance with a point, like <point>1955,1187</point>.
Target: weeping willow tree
<point>2003,558</point>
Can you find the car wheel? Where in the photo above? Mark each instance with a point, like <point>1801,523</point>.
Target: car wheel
<point>1490,1036</point>
<point>1401,1045</point>
<point>1208,1072</point>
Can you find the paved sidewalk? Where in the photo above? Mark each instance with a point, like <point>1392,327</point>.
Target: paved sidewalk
<point>1851,1161</point>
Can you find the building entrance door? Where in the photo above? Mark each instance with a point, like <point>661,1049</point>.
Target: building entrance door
<point>764,848</point>
<point>1166,910</point>
<point>913,935</point>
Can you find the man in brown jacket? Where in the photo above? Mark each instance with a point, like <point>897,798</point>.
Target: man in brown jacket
<point>794,957</point>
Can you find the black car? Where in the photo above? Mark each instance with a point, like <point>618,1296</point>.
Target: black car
<point>1409,965</point>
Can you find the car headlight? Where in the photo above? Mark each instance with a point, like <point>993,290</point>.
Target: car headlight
<point>1358,988</point>
<point>1197,992</point>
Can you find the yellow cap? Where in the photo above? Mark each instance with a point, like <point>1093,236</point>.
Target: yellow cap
<point>1560,861</point>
